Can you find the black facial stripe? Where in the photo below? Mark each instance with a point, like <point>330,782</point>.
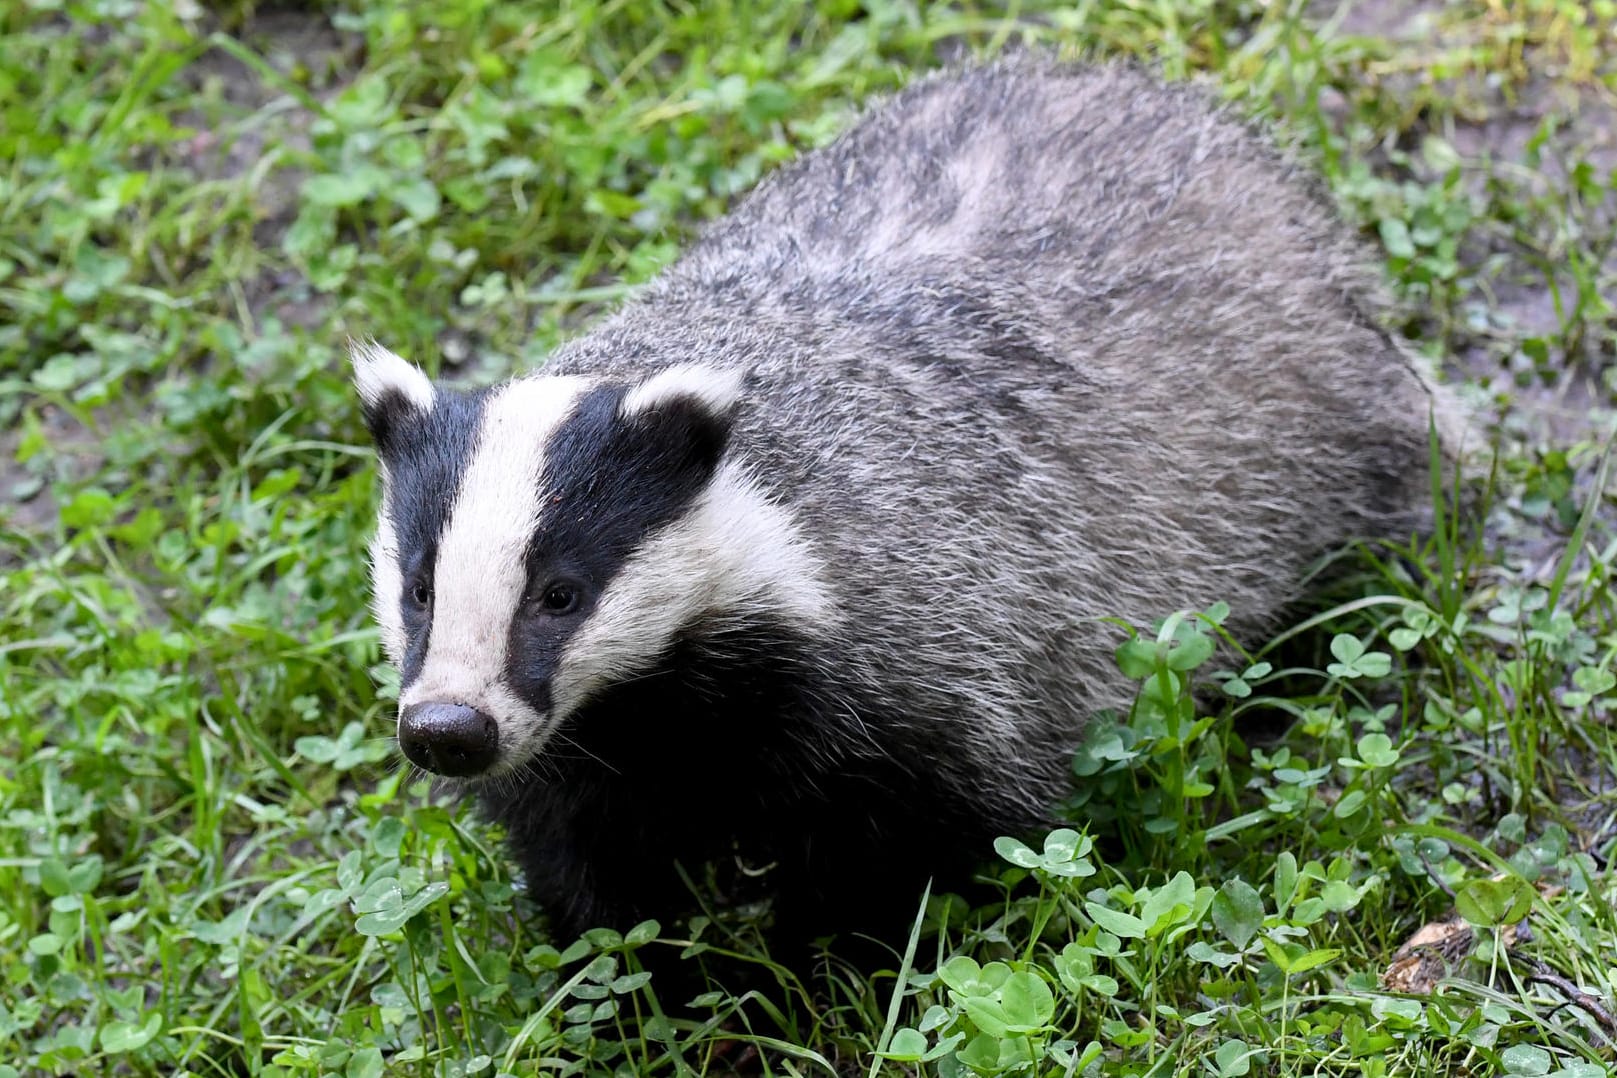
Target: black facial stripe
<point>427,454</point>
<point>609,482</point>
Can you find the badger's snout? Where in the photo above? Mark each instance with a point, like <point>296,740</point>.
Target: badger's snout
<point>449,739</point>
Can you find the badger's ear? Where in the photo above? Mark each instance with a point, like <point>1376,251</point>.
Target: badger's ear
<point>391,390</point>
<point>691,406</point>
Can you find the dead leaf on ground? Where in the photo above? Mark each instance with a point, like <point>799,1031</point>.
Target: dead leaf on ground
<point>1428,955</point>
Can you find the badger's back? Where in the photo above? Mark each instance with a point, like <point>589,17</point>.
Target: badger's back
<point>1102,173</point>
<point>1032,346</point>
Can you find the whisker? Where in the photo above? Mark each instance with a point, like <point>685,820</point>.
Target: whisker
<point>563,737</point>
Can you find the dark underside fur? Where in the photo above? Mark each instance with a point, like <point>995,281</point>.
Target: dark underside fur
<point>726,750</point>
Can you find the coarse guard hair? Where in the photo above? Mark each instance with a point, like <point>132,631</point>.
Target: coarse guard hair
<point>802,555</point>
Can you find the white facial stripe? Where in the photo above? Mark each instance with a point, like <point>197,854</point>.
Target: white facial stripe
<point>734,553</point>
<point>717,389</point>
<point>481,570</point>
<point>387,581</point>
<point>378,372</point>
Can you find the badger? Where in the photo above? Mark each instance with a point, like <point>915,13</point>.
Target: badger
<point>805,550</point>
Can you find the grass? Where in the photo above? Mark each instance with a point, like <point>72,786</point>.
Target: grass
<point>209,863</point>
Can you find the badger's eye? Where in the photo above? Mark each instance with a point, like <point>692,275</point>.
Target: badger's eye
<point>558,598</point>
<point>421,593</point>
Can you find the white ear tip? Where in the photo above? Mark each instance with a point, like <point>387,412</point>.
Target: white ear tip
<point>717,389</point>
<point>379,373</point>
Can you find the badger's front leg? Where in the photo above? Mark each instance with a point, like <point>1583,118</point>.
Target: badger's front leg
<point>591,861</point>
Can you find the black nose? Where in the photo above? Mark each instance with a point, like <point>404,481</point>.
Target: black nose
<point>449,739</point>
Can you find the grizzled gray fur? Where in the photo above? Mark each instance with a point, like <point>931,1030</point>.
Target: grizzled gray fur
<point>803,552</point>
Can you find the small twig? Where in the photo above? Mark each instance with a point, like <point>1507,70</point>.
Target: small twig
<point>1577,997</point>
<point>1435,876</point>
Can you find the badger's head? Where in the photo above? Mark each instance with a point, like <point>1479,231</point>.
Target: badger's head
<point>548,538</point>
